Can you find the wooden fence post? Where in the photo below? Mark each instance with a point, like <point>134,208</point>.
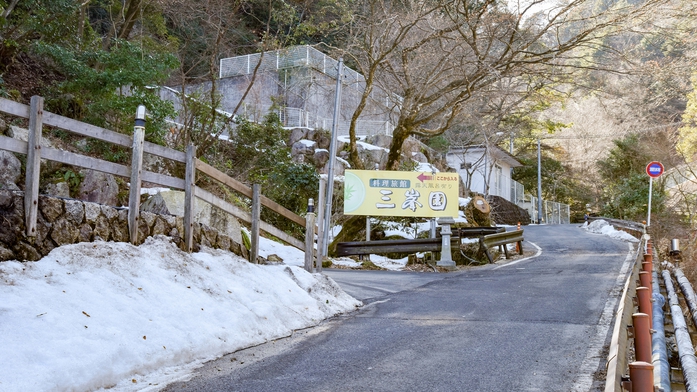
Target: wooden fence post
<point>190,195</point>
<point>320,224</point>
<point>136,171</point>
<point>31,189</point>
<point>310,236</point>
<point>256,216</point>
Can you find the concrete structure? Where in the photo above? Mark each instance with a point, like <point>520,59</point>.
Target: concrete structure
<point>299,84</point>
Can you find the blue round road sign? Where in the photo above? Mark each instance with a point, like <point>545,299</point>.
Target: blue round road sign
<point>654,169</point>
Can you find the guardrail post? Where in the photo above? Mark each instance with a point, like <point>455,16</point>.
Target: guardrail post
<point>648,267</point>
<point>641,375</point>
<point>446,257</point>
<point>644,299</point>
<point>645,280</point>
<point>642,337</point>
<point>256,217</point>
<point>136,170</point>
<point>189,196</point>
<point>31,188</point>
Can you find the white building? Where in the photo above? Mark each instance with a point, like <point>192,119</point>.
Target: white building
<point>486,170</point>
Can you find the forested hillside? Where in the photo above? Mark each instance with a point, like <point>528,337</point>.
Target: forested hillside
<point>605,85</point>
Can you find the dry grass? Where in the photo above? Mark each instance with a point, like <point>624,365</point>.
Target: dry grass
<point>666,228</point>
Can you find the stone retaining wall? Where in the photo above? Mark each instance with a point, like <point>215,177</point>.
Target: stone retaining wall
<point>64,221</point>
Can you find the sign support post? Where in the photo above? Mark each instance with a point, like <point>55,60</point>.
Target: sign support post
<point>654,170</point>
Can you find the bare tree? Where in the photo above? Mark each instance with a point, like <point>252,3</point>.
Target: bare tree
<point>452,56</point>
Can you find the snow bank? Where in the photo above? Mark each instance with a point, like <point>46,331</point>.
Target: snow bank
<point>104,314</point>
<point>602,227</point>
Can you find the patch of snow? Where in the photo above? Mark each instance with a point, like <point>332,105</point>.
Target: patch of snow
<point>603,227</point>
<point>307,143</point>
<point>116,316</point>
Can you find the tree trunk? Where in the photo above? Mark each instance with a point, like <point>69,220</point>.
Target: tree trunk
<point>401,133</point>
<point>350,231</point>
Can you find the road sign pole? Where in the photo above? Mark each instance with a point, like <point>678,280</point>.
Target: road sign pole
<point>648,218</point>
<point>654,170</point>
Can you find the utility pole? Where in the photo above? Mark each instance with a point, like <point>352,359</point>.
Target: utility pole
<point>539,183</point>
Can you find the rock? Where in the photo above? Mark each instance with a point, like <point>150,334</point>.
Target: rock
<point>43,229</point>
<point>102,227</point>
<point>6,200</point>
<point>23,135</point>
<point>85,233</point>
<point>274,258</point>
<point>50,207</point>
<point>10,170</point>
<point>75,211</point>
<point>223,242</point>
<point>302,149</point>
<point>98,187</point>
<point>372,156</point>
<point>297,134</point>
<point>119,231</point>
<point>3,127</point>
<point>11,226</point>
<point>410,145</point>
<point>148,217</point>
<point>339,166</point>
<point>92,212</point>
<point>320,158</point>
<point>419,157</point>
<point>112,213</point>
<point>24,251</point>
<point>210,233</point>
<point>160,226</point>
<point>155,204</point>
<point>64,232</point>
<point>323,140</point>
<point>6,254</point>
<point>60,189</point>
<point>383,141</point>
<point>236,248</point>
<point>204,213</point>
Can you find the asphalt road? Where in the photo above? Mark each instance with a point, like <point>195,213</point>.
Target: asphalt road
<point>537,324</point>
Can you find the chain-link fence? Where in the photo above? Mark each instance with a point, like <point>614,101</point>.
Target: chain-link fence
<point>294,117</point>
<point>304,57</point>
<point>553,213</point>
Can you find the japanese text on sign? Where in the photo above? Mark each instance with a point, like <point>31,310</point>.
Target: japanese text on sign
<point>393,193</point>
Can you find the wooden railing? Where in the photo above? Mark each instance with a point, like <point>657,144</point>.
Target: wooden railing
<point>35,152</point>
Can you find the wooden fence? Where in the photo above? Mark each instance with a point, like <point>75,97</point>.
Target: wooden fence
<point>35,152</point>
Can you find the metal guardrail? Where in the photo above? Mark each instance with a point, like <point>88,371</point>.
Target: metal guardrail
<point>501,239</point>
<point>617,357</point>
<point>411,246</point>
<point>390,246</point>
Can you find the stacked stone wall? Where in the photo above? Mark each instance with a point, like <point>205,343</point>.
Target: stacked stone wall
<point>63,221</point>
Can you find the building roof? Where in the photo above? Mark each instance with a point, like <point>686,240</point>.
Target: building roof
<point>495,152</point>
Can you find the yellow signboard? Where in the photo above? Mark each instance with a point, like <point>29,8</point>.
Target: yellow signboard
<point>401,193</point>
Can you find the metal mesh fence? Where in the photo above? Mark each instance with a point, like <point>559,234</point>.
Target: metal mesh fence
<point>293,117</point>
<point>553,213</point>
<point>303,56</point>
